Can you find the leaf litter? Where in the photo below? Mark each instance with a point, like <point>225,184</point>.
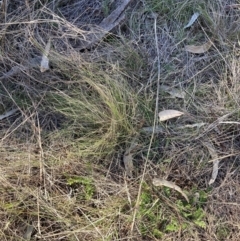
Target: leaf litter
<point>215,158</point>
<point>8,113</point>
<point>198,49</point>
<point>161,182</point>
<point>169,114</point>
<point>192,20</point>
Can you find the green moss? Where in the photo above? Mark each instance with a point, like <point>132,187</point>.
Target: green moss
<point>149,213</point>
<point>173,226</point>
<point>153,223</point>
<point>86,183</point>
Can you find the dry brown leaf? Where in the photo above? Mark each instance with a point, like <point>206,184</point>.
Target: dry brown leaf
<point>161,182</point>
<point>169,114</point>
<point>199,49</point>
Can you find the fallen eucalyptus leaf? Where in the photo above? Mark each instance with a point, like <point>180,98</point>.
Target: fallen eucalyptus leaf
<point>7,114</point>
<point>169,114</point>
<point>211,150</point>
<point>198,49</point>
<point>214,172</point>
<point>161,182</point>
<point>192,20</point>
<point>215,162</point>
<point>99,32</point>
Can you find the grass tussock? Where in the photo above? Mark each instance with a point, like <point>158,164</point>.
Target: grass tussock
<point>62,150</point>
<point>98,119</point>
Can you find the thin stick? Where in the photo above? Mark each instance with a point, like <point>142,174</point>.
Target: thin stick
<point>38,214</point>
<point>154,125</point>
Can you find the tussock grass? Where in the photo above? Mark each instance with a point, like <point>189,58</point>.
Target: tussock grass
<point>100,109</point>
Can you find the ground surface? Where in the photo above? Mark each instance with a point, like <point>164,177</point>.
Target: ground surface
<point>82,142</point>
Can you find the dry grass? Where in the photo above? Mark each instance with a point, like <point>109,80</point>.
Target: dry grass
<point>62,174</point>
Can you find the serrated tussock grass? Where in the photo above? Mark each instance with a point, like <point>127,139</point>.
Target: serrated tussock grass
<point>100,109</point>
